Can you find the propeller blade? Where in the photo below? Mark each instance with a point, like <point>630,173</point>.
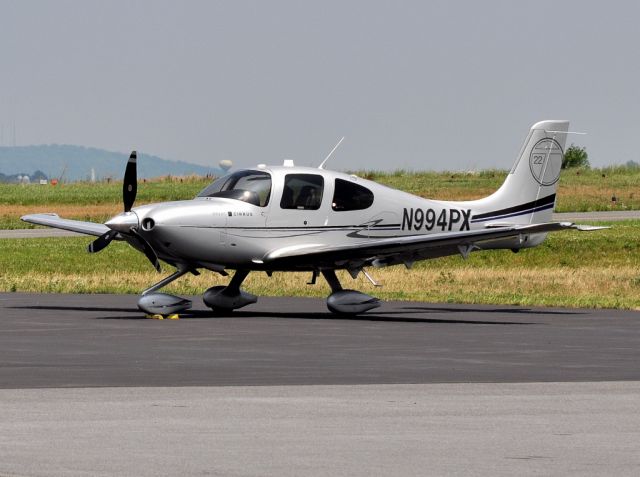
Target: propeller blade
<point>101,242</point>
<point>147,249</point>
<point>130,184</point>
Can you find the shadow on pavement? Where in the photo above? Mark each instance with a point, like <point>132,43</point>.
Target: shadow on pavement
<point>390,316</point>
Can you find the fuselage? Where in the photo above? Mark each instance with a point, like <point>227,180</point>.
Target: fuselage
<point>278,207</point>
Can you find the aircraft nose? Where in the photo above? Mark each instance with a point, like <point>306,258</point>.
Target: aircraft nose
<point>123,222</point>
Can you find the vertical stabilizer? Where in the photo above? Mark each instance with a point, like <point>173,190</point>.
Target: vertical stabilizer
<point>528,194</point>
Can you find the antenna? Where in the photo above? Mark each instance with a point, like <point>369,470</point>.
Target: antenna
<point>14,133</point>
<point>321,166</point>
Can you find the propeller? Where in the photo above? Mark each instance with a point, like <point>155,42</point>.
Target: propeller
<point>102,241</point>
<point>147,249</point>
<point>129,192</point>
<point>130,183</point>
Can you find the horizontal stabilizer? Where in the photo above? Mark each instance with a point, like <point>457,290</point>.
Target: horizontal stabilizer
<point>589,228</point>
<point>53,220</point>
<point>560,225</point>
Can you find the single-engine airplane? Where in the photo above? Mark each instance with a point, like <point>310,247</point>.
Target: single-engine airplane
<point>287,218</point>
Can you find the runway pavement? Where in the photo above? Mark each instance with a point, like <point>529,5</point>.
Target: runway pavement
<point>611,215</point>
<point>103,340</point>
<point>37,233</point>
<point>376,430</point>
<point>88,386</point>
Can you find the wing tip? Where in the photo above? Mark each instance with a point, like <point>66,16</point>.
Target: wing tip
<point>26,218</point>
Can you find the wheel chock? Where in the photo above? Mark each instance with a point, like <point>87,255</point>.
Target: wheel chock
<point>174,316</point>
<point>155,317</point>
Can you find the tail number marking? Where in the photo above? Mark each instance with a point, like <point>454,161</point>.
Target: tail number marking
<point>430,219</point>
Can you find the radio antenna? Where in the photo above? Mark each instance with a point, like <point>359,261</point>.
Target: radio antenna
<point>321,166</point>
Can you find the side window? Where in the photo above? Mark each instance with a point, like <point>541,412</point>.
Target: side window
<point>302,191</point>
<point>350,196</point>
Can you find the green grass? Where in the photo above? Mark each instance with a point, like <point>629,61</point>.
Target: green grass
<point>574,269</point>
<point>579,191</point>
<point>599,269</point>
<point>597,187</point>
<point>84,193</point>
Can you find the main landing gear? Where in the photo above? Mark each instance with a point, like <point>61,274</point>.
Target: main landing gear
<point>347,302</point>
<point>231,297</point>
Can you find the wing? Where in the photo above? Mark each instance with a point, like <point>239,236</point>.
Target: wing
<point>394,250</point>
<point>53,220</point>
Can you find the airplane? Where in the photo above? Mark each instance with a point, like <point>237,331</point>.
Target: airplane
<point>303,219</point>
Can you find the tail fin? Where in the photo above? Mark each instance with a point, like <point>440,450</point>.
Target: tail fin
<point>528,195</point>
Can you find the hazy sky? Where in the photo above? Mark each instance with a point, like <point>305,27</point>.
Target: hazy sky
<point>415,84</point>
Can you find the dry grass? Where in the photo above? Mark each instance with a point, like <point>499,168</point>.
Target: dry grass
<point>10,214</point>
<point>590,286</point>
<point>63,210</point>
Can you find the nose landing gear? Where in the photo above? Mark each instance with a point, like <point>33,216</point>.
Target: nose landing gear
<point>163,304</point>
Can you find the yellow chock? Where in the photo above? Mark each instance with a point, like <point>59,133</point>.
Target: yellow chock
<point>175,316</point>
<point>155,317</point>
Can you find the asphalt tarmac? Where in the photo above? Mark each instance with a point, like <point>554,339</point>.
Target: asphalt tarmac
<point>88,386</point>
<point>103,340</point>
<point>491,429</point>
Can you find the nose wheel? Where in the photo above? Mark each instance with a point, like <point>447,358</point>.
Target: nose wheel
<point>162,304</point>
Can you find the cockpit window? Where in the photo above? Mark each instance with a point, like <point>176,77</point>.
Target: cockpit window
<point>350,196</point>
<point>253,187</point>
<point>302,191</point>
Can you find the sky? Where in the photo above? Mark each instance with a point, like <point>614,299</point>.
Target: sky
<point>418,85</point>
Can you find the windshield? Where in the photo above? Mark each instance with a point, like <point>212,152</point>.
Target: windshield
<point>253,187</point>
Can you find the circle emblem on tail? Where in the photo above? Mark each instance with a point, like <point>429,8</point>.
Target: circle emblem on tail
<point>545,161</point>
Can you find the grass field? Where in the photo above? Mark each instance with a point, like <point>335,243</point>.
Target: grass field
<point>579,191</point>
<point>599,269</point>
<point>575,269</point>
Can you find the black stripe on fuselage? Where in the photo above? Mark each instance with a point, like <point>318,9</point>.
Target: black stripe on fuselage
<point>548,200</point>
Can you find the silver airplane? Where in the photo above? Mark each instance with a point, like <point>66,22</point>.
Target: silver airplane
<point>287,218</point>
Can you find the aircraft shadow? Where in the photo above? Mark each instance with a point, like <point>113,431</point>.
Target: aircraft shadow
<point>524,311</point>
<point>390,316</point>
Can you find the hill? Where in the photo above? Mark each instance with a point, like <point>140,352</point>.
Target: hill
<point>77,162</point>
